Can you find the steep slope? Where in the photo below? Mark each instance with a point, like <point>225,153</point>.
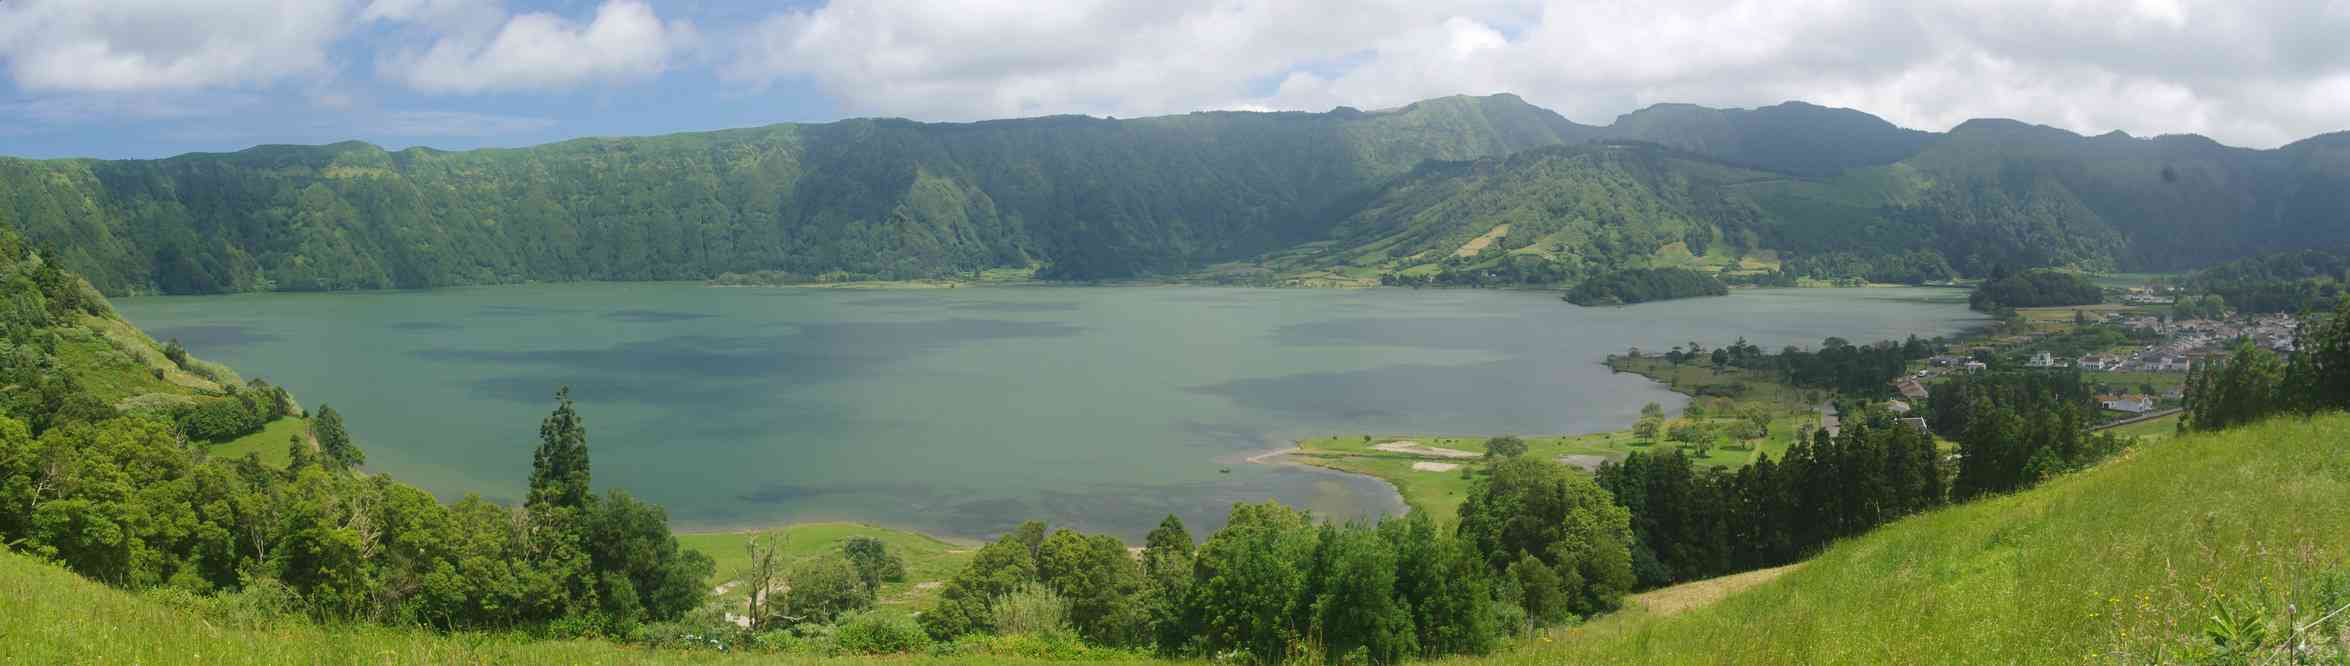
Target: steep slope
<point>1793,137</point>
<point>1887,205</point>
<point>1848,195</point>
<point>1541,216</point>
<point>870,198</point>
<point>2118,564</point>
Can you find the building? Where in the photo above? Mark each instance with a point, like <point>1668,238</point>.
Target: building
<point>1910,388</point>
<point>1972,366</point>
<point>2128,404</point>
<point>1897,407</point>
<point>2041,360</point>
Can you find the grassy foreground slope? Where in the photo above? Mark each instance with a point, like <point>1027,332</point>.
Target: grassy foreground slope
<point>2121,564</point>
<point>53,616</point>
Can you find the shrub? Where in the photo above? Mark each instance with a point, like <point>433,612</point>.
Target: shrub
<point>881,633</point>
<point>823,589</point>
<point>1030,609</point>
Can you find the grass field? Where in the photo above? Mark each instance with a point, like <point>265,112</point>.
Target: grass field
<point>2150,431</point>
<point>927,559</point>
<point>270,442</point>
<point>1440,493</point>
<point>2118,564</point>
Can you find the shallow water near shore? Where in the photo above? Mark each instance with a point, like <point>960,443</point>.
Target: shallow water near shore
<point>964,411</point>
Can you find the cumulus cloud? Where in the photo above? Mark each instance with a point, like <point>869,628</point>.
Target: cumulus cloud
<point>624,42</point>
<point>2254,72</point>
<point>134,46</point>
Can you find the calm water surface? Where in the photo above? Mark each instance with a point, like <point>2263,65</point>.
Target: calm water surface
<point>965,411</point>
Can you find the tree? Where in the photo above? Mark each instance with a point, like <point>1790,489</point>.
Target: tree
<point>1564,519</point>
<point>761,571</point>
<point>333,441</point>
<point>1355,608</point>
<point>1102,583</point>
<point>1441,581</point>
<point>559,468</point>
<point>1652,411</point>
<point>1251,581</point>
<point>997,569</point>
<point>1646,428</point>
<point>1167,565</point>
<point>1503,447</point>
<point>875,564</point>
<point>629,544</point>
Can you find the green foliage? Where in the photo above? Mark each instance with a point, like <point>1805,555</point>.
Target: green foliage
<point>875,564</point>
<point>1538,508</point>
<point>1251,581</point>
<point>1103,584</point>
<point>2288,281</point>
<point>2248,385</point>
<point>864,198</point>
<point>2035,289</point>
<point>333,441</point>
<point>998,569</point>
<point>881,633</point>
<point>1355,609</point>
<point>1505,446</point>
<point>1030,609</point>
<point>559,467</point>
<point>2251,383</point>
<point>1641,285</point>
<point>824,588</point>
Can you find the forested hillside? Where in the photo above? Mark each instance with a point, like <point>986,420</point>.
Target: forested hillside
<point>1085,197</point>
<point>1410,194</point>
<point>2288,281</point>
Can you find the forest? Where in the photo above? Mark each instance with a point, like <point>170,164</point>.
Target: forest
<point>2037,288</point>
<point>1833,193</point>
<point>2287,282</point>
<point>1641,285</point>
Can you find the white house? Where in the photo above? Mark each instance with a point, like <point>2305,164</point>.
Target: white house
<point>2130,404</point>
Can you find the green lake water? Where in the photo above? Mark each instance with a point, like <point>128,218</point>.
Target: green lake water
<point>965,411</point>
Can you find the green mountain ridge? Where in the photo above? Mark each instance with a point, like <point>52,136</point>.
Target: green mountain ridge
<point>1084,198</point>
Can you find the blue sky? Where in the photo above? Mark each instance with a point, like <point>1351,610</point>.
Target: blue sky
<point>151,78</point>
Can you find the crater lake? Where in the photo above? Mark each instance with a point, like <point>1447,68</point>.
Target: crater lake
<point>965,411</point>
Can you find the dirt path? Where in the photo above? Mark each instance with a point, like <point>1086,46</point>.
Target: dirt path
<point>1418,449</point>
<point>1686,596</point>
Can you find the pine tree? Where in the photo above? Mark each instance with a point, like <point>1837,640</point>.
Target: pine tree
<point>559,469</point>
<point>334,442</point>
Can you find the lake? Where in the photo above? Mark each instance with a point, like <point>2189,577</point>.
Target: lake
<point>965,411</point>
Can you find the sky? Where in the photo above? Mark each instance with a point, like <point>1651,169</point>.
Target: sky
<point>152,78</point>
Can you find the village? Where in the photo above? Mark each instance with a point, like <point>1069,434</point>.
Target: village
<point>2143,379</point>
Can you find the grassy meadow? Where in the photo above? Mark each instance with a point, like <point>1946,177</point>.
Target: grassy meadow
<point>2123,563</point>
<point>1440,492</point>
<point>928,560</point>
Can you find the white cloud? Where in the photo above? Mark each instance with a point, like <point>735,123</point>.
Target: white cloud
<point>2254,72</point>
<point>128,46</point>
<point>624,42</point>
<point>455,124</point>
